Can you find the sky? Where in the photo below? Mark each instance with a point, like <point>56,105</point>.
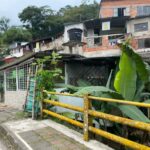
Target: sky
<point>11,8</point>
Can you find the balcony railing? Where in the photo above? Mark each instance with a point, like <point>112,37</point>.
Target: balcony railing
<point>105,40</point>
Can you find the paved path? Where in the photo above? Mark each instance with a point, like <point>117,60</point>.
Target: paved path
<point>28,134</point>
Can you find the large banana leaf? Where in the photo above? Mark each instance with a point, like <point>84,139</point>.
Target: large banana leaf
<point>109,79</point>
<point>139,88</point>
<point>140,65</point>
<point>133,112</point>
<point>93,90</point>
<point>83,83</point>
<point>125,80</point>
<point>105,106</point>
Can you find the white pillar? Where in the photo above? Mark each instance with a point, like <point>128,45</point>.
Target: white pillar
<point>4,81</point>
<point>16,79</point>
<point>66,74</point>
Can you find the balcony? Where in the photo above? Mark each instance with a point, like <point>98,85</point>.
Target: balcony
<point>104,42</point>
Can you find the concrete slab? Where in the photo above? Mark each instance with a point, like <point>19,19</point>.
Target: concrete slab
<point>47,134</point>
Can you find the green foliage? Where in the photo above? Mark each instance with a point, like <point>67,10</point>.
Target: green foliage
<point>79,13</point>
<point>36,20</point>
<point>129,83</point>
<point>141,67</point>
<point>46,77</point>
<point>14,34</point>
<point>43,21</point>
<point>93,90</point>
<point>4,24</point>
<point>125,80</point>
<point>83,83</point>
<point>134,113</point>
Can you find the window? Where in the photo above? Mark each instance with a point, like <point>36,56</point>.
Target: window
<point>143,10</point>
<point>144,43</point>
<point>11,79</point>
<point>120,12</point>
<point>141,27</point>
<point>97,39</point>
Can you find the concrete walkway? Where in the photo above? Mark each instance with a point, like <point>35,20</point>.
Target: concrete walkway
<point>28,134</point>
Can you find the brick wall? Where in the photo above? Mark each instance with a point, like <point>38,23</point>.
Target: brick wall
<point>105,46</point>
<point>107,6</point>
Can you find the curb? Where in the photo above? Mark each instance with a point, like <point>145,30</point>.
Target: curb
<point>11,138</point>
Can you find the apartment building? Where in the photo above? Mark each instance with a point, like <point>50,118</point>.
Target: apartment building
<point>119,19</point>
<point>120,8</point>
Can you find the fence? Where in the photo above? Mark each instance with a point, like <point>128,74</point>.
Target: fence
<point>89,114</point>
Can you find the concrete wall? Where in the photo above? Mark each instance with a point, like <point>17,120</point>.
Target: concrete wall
<point>68,27</point>
<point>15,98</point>
<point>131,23</point>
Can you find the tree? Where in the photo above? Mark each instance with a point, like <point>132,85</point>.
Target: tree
<point>14,34</point>
<point>36,20</point>
<point>4,24</point>
<point>79,13</point>
<point>43,21</point>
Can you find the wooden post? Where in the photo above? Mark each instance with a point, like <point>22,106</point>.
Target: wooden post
<point>87,119</point>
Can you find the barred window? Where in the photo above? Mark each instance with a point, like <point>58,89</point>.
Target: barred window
<point>23,72</point>
<point>11,79</point>
<point>141,27</point>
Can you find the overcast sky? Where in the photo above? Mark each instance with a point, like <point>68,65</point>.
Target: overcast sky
<point>11,8</point>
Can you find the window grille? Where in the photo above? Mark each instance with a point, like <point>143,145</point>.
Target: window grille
<point>23,72</point>
<point>141,27</point>
<point>11,79</point>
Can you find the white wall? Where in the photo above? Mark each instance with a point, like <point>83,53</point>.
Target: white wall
<point>131,23</point>
<point>68,27</point>
<point>15,98</point>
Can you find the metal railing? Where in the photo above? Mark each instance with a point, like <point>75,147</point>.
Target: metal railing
<point>89,114</point>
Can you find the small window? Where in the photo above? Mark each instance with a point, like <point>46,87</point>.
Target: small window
<point>144,43</point>
<point>97,38</point>
<point>120,12</point>
<point>143,10</point>
<point>141,27</point>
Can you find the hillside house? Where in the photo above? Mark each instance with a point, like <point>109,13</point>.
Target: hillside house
<point>96,39</point>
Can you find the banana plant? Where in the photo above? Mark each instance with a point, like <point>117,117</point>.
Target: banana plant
<point>129,83</point>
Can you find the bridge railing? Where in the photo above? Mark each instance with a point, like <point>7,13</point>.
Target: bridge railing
<point>89,114</point>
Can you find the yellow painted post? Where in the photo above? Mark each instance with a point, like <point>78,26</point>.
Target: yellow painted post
<point>41,102</point>
<point>87,119</point>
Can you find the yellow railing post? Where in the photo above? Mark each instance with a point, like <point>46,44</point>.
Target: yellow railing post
<point>87,119</point>
<point>41,103</point>
<point>89,114</point>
